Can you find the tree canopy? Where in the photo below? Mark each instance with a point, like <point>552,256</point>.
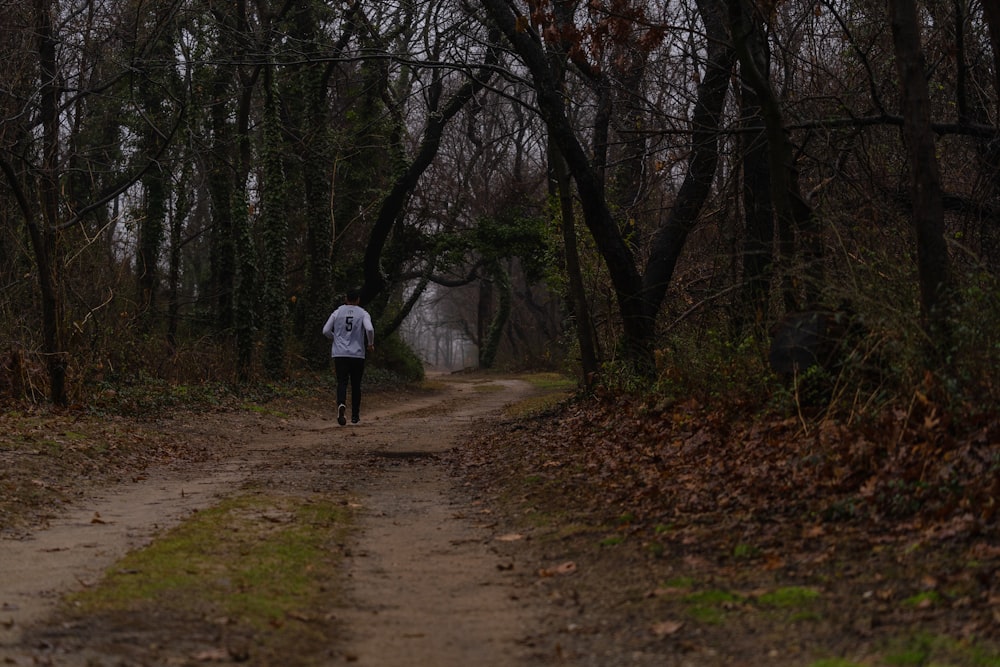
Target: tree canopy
<point>598,186</point>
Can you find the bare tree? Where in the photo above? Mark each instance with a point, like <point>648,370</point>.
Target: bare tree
<point>928,210</point>
<point>639,293</point>
<point>37,173</point>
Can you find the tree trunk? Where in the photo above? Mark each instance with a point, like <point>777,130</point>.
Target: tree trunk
<point>44,232</point>
<point>925,184</point>
<point>794,216</point>
<point>639,296</point>
<point>991,12</point>
<point>221,175</point>
<point>484,313</point>
<point>156,183</point>
<point>185,200</point>
<point>318,295</point>
<point>590,186</point>
<point>989,150</point>
<point>274,224</point>
<point>706,119</point>
<point>388,327</point>
<point>490,340</point>
<point>151,235</point>
<point>245,287</point>
<point>758,212</point>
<point>394,201</point>
<point>561,180</point>
<point>585,335</point>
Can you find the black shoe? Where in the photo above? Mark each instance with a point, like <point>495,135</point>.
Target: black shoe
<point>355,420</point>
<point>342,414</point>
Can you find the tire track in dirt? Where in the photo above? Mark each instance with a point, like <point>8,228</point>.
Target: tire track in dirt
<point>427,589</point>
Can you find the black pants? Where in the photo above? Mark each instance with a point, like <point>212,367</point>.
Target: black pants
<point>349,369</point>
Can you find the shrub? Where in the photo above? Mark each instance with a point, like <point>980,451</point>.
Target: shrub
<point>392,354</point>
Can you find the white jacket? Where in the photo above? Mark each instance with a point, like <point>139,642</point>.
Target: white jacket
<point>350,328</point>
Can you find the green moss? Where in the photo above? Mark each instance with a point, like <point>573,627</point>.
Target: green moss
<point>745,551</point>
<point>712,597</point>
<point>915,650</point>
<point>679,582</point>
<point>549,381</point>
<point>924,599</point>
<point>535,405</point>
<point>924,648</point>
<point>265,410</point>
<point>790,597</point>
<point>576,529</point>
<point>709,606</point>
<point>253,558</point>
<point>485,387</point>
<point>626,518</point>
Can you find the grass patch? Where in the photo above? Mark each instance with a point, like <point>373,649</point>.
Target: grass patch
<point>679,582</point>
<point>553,389</point>
<point>625,518</point>
<point>790,597</point>
<point>914,650</point>
<point>536,405</point>
<point>257,560</point>
<point>570,530</point>
<point>487,386</point>
<point>612,541</point>
<point>709,607</point>
<point>924,648</point>
<point>655,549</point>
<point>265,410</point>
<point>922,600</point>
<point>745,551</point>
<point>431,385</point>
<point>795,603</point>
<point>537,518</point>
<point>550,381</point>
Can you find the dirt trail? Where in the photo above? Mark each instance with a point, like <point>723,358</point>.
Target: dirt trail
<point>432,594</point>
<point>422,583</point>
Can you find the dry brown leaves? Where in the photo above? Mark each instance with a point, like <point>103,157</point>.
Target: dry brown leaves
<point>888,510</point>
<point>49,457</point>
<point>690,460</point>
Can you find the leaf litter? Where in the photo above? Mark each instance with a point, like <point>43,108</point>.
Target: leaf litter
<point>864,517</point>
<point>673,523</point>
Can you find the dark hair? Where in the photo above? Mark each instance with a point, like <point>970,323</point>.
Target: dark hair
<point>353,294</point>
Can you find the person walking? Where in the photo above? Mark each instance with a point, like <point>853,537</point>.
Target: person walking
<point>350,328</point>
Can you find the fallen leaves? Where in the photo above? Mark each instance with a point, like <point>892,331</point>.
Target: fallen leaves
<point>51,456</point>
<point>211,655</point>
<point>690,460</point>
<point>890,512</point>
<point>510,537</point>
<point>666,628</point>
<point>220,654</point>
<point>568,567</point>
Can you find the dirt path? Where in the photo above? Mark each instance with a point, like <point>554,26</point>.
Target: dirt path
<point>423,585</point>
<point>429,590</point>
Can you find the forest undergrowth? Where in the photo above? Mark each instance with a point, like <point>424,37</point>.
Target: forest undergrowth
<point>732,534</point>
